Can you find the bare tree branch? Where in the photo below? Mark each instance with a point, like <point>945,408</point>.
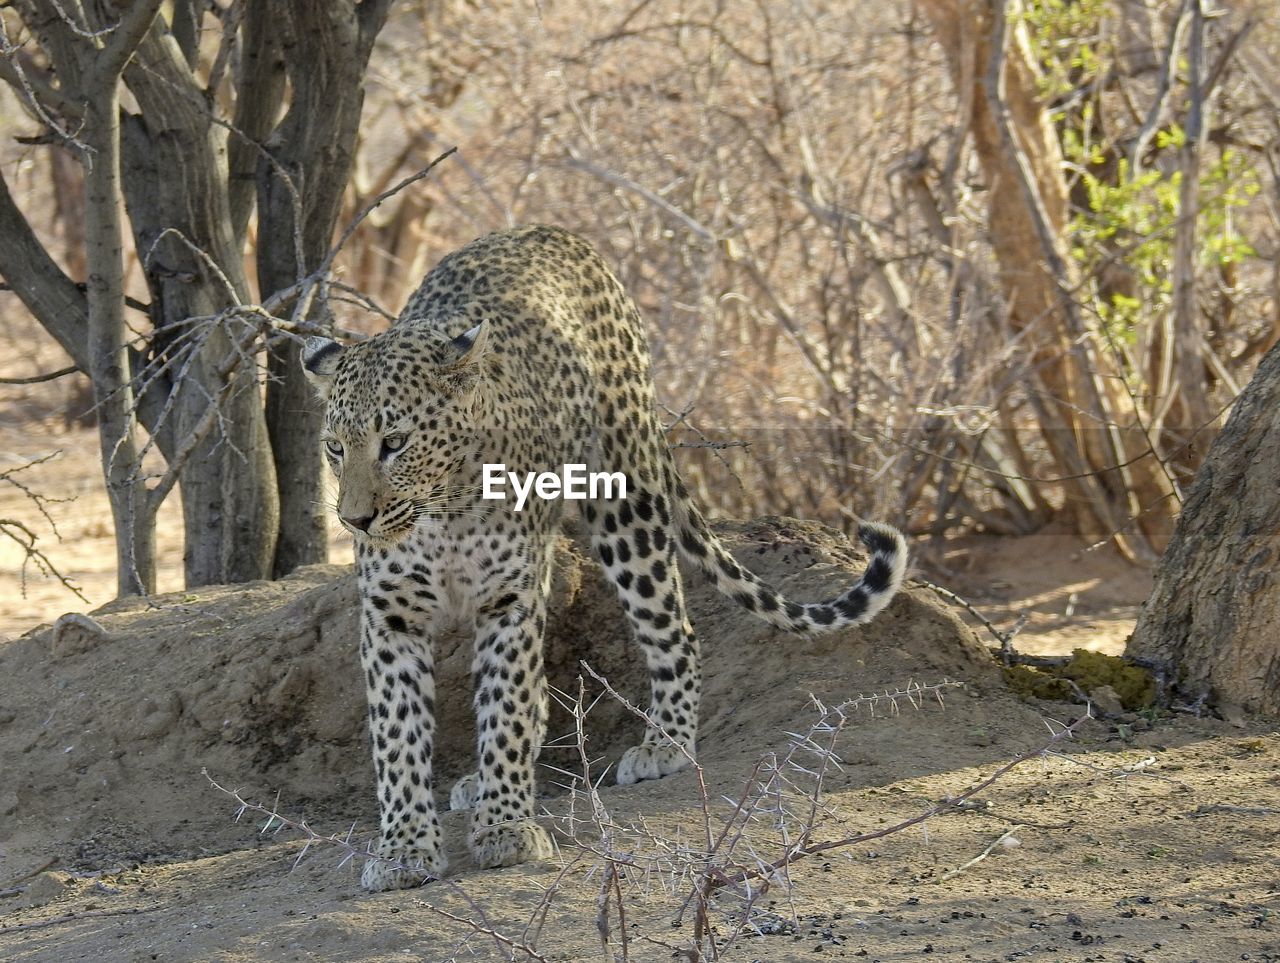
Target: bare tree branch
<point>41,378</point>
<point>53,298</point>
<point>123,41</point>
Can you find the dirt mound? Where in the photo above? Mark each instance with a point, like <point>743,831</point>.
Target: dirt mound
<point>259,684</point>
<point>113,846</point>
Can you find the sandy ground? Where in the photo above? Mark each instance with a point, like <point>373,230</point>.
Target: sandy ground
<point>1143,838</point>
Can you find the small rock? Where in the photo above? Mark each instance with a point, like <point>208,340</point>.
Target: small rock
<point>44,888</point>
<point>74,633</point>
<point>1232,713</point>
<point>1106,702</point>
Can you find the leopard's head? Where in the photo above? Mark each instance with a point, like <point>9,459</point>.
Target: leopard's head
<point>400,420</point>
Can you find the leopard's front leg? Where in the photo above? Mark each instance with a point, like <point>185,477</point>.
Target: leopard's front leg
<point>400,679</point>
<point>511,722</point>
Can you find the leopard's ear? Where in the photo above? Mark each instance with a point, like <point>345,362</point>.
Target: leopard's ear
<point>470,347</point>
<point>319,361</point>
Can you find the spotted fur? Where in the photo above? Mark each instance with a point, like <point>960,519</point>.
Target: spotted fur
<point>521,348</point>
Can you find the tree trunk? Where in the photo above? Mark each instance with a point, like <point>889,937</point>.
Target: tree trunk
<point>1190,418</point>
<point>194,382</point>
<point>51,296</point>
<point>108,352</point>
<point>326,49</point>
<point>176,181</point>
<point>1214,615</point>
<point>105,353</point>
<point>1090,426</point>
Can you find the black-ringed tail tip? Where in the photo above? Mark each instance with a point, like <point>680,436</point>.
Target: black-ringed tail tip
<point>860,603</point>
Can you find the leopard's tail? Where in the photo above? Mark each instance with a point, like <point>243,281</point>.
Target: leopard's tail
<point>862,602</point>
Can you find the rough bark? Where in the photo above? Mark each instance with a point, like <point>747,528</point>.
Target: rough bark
<point>108,355</point>
<point>190,193</point>
<point>260,92</point>
<point>304,172</point>
<point>176,180</point>
<point>1214,615</point>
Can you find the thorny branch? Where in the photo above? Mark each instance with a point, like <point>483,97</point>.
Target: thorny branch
<point>782,797</point>
<point>948,804</point>
<point>718,864</point>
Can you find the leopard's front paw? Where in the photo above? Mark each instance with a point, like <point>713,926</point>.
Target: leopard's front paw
<point>391,867</point>
<point>650,762</point>
<point>466,792</point>
<point>507,844</point>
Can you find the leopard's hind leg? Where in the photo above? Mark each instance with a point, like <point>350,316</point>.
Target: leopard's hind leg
<point>632,538</point>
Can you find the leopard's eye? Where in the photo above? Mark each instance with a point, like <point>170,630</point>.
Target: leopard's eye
<point>334,447</point>
<point>393,443</point>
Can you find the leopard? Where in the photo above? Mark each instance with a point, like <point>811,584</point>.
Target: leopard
<point>520,349</point>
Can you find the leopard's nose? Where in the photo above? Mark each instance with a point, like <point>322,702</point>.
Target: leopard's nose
<point>360,523</point>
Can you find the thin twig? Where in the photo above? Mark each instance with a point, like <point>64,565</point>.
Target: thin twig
<point>373,205</point>
<point>1004,638</point>
<point>23,534</point>
<point>953,873</point>
<point>276,822</point>
<point>946,805</point>
<point>1163,86</point>
<point>41,378</point>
